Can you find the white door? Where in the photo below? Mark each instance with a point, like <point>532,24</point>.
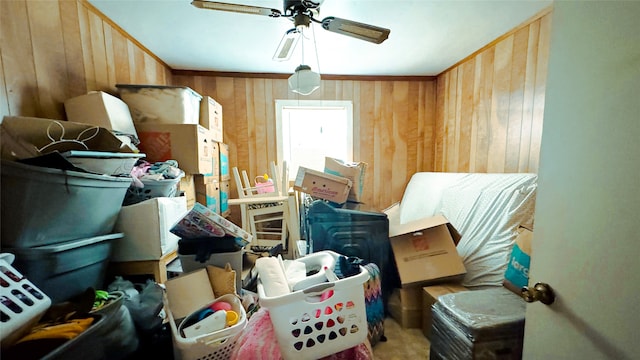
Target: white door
<point>587,230</point>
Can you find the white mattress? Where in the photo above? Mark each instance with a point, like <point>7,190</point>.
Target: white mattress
<point>486,209</point>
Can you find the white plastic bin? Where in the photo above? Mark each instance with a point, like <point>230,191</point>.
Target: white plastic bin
<point>308,327</point>
<point>161,104</point>
<point>44,206</point>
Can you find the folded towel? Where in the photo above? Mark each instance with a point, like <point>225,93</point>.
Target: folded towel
<point>272,276</point>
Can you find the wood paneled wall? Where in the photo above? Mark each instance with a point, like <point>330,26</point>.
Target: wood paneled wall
<point>55,50</point>
<point>393,125</point>
<point>482,115</point>
<point>490,106</point>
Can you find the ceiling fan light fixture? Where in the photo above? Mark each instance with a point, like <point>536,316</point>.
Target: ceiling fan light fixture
<point>304,81</point>
<point>286,46</point>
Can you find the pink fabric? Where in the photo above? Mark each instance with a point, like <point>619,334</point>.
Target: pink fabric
<point>258,342</point>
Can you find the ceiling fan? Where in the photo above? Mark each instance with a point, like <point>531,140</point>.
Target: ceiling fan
<point>302,13</point>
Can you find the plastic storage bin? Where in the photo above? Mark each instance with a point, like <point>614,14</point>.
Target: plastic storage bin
<point>161,104</point>
<point>217,345</point>
<point>66,269</point>
<point>354,230</point>
<point>478,324</point>
<point>44,206</point>
<point>152,189</point>
<point>310,328</point>
<point>22,304</point>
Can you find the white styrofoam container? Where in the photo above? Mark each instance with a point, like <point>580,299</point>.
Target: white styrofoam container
<point>161,104</point>
<point>22,304</point>
<point>153,240</point>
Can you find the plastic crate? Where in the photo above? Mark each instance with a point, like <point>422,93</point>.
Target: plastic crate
<point>22,304</point>
<point>152,189</point>
<point>217,345</point>
<point>308,327</point>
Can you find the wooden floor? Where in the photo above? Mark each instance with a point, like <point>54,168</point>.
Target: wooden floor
<point>401,344</point>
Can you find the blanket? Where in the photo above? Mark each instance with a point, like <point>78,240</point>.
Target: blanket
<point>258,341</point>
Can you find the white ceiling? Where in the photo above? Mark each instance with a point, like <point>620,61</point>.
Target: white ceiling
<point>427,36</point>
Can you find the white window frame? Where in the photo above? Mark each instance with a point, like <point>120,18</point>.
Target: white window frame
<point>346,105</point>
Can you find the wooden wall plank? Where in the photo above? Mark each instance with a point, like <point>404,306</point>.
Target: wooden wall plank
<point>500,105</point>
<point>73,48</point>
<point>17,59</point>
<point>516,100</point>
<point>49,59</point>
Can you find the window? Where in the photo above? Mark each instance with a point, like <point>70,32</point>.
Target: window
<point>309,130</point>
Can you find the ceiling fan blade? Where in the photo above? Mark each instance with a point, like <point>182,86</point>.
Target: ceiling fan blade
<point>244,9</point>
<point>287,44</point>
<point>356,29</point>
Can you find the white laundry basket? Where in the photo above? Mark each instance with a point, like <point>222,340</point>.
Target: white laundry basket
<point>217,345</point>
<point>22,304</point>
<point>308,327</point>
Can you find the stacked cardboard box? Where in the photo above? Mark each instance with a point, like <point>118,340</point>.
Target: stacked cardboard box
<point>425,254</point>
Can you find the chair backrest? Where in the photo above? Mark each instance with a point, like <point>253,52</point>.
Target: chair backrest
<point>278,174</point>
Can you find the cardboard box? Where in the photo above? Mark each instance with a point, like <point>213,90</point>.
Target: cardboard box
<point>190,145</point>
<point>215,159</point>
<point>100,109</point>
<point>407,317</point>
<point>430,295</point>
<point>146,229</point>
<point>354,171</point>
<point>517,274</point>
<point>26,137</point>
<point>208,191</point>
<point>424,250</point>
<point>322,185</point>
<point>225,188</point>
<point>211,117</point>
<point>188,292</point>
<point>188,189</point>
<point>225,173</point>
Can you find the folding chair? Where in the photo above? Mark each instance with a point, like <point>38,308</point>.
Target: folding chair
<point>264,214</point>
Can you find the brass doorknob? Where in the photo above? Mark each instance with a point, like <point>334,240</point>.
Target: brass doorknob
<point>540,292</point>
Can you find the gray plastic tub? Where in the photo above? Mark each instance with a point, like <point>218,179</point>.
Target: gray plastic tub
<point>67,269</point>
<point>43,206</point>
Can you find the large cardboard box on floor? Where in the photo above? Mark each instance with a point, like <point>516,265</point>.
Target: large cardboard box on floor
<point>146,229</point>
<point>322,185</point>
<point>190,145</point>
<point>430,295</point>
<point>406,307</point>
<point>424,250</point>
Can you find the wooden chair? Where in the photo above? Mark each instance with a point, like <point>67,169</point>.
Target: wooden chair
<point>264,215</point>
